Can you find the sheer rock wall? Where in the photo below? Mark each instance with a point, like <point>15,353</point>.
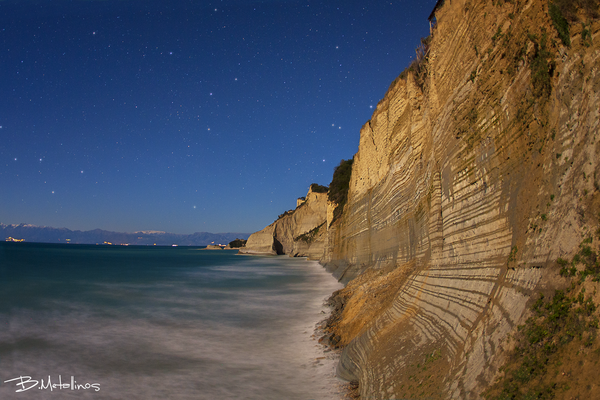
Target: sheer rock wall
<point>464,192</point>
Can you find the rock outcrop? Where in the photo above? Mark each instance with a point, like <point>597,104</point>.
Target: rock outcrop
<point>300,232</point>
<point>472,177</point>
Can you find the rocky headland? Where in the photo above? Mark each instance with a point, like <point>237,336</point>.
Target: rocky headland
<point>469,237</point>
<point>299,232</point>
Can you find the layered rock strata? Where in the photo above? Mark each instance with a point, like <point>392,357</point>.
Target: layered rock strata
<point>464,192</point>
<point>477,171</point>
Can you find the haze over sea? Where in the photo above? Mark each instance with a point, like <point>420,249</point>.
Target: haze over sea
<point>161,322</point>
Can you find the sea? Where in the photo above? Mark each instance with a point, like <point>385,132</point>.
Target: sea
<point>146,322</point>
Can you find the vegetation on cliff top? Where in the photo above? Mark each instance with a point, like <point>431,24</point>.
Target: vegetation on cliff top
<point>316,188</point>
<point>340,183</point>
<point>418,66</point>
<point>237,243</point>
<point>285,214</point>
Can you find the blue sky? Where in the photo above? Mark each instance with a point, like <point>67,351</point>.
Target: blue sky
<point>187,116</point>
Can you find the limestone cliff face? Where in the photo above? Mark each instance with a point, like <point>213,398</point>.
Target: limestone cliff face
<point>463,194</point>
<point>296,233</point>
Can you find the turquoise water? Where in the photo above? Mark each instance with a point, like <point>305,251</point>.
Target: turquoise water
<point>160,322</point>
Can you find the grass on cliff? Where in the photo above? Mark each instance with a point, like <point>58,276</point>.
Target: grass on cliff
<point>310,236</point>
<point>557,344</point>
<point>569,9</point>
<point>587,261</point>
<point>285,214</point>
<point>564,12</point>
<point>339,186</point>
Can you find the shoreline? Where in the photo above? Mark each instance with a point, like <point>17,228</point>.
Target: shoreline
<point>324,334</point>
<point>323,330</point>
<point>345,390</point>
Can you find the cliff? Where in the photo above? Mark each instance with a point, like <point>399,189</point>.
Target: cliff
<point>478,170</point>
<point>468,238</point>
<point>299,232</point>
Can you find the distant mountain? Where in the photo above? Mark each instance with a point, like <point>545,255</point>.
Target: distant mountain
<point>45,234</point>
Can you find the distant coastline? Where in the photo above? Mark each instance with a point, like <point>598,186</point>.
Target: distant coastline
<point>44,234</point>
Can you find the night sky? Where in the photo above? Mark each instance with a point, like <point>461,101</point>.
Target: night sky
<point>186,116</point>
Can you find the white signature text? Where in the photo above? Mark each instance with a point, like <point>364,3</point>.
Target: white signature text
<point>25,383</point>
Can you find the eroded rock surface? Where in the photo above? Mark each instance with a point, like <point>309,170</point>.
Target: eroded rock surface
<point>464,192</point>
<point>474,175</point>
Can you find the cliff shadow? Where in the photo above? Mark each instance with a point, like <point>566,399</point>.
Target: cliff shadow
<point>277,247</point>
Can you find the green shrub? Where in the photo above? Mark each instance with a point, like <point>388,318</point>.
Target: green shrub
<point>473,75</point>
<point>285,214</point>
<point>340,183</point>
<point>561,261</point>
<point>563,12</point>
<point>316,188</point>
<point>540,344</point>
<point>560,23</point>
<point>418,66</point>
<point>564,264</point>
<point>586,35</point>
<point>497,35</point>
<point>542,70</point>
<point>513,254</point>
<point>237,243</point>
<point>569,8</point>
